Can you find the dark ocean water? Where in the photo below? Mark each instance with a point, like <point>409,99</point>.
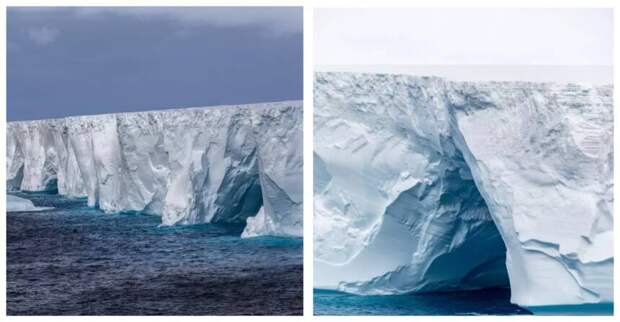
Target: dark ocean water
<point>76,260</point>
<point>482,302</point>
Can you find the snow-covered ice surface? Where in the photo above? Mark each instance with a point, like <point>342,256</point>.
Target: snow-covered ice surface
<point>424,184</point>
<point>192,165</point>
<point>14,203</point>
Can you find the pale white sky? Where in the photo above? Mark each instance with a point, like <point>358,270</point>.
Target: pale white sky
<point>472,36</point>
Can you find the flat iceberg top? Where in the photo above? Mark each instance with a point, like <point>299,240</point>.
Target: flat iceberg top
<point>177,110</point>
<point>596,75</point>
<point>323,75</point>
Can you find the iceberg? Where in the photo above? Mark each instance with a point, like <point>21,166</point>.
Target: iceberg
<point>192,165</point>
<point>14,204</point>
<point>424,184</point>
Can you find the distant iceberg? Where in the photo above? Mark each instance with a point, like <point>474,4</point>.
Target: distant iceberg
<point>14,204</point>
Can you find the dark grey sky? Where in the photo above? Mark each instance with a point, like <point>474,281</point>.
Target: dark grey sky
<point>76,61</point>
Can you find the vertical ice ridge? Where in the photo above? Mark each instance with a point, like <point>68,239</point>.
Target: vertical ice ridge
<point>188,166</point>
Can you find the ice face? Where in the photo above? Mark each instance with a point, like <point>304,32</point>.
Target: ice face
<point>196,165</point>
<point>424,184</point>
<point>545,170</point>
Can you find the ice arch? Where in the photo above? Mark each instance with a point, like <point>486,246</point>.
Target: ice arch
<point>539,155</point>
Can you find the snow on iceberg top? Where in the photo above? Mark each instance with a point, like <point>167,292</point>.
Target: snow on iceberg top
<point>433,78</point>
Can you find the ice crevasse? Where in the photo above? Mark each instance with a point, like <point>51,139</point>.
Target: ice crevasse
<point>425,184</point>
<point>224,164</point>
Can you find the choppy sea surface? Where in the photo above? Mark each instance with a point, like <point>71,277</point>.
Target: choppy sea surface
<point>481,302</point>
<point>76,260</point>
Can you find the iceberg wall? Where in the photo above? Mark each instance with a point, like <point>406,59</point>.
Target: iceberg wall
<point>423,184</point>
<point>193,165</point>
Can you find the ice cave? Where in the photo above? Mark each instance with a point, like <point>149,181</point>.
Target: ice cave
<point>424,184</point>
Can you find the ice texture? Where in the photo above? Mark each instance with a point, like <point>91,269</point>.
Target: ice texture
<point>192,165</point>
<point>424,184</point>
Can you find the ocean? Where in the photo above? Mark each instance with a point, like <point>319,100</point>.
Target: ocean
<point>480,302</point>
<point>76,260</point>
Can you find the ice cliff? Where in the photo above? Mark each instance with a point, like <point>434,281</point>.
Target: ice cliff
<point>194,165</point>
<point>424,184</point>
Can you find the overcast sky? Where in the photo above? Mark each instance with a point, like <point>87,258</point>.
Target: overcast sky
<point>424,36</point>
<point>75,61</point>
